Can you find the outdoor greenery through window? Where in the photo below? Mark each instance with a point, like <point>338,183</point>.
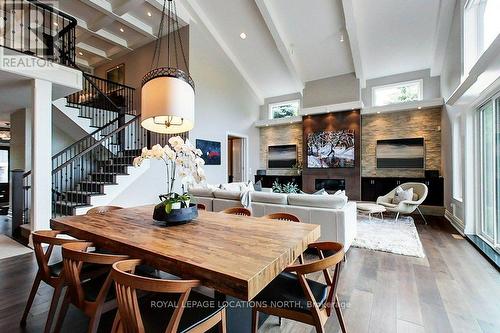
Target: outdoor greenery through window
<point>397,93</point>
<point>284,109</point>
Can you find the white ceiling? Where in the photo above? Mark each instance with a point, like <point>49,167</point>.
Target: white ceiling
<point>100,24</point>
<point>395,29</point>
<point>289,42</point>
<point>313,31</point>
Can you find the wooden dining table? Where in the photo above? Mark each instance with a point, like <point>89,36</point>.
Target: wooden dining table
<point>235,255</point>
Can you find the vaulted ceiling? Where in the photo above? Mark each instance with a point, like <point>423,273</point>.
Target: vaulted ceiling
<point>288,42</point>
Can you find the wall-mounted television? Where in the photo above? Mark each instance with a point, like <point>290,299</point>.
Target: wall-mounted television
<point>282,156</point>
<point>401,153</point>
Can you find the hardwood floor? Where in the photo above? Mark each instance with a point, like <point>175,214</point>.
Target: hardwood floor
<point>453,289</point>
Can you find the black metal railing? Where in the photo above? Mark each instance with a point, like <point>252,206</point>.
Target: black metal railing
<point>85,174</point>
<point>37,29</point>
<point>102,101</point>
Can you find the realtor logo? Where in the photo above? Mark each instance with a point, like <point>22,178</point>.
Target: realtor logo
<point>30,35</point>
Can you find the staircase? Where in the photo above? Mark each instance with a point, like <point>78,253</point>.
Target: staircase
<point>88,168</point>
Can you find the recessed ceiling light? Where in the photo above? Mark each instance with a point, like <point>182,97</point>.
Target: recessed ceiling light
<point>56,24</point>
<point>80,53</point>
<point>341,37</point>
<point>243,35</point>
<point>419,108</point>
<point>378,112</point>
<point>121,29</point>
<point>149,14</point>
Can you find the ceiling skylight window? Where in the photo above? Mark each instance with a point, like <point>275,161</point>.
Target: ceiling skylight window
<point>284,109</point>
<point>401,92</point>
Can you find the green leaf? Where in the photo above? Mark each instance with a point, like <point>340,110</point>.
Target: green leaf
<point>168,207</point>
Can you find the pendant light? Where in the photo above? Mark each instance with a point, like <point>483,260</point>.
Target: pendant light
<point>167,94</point>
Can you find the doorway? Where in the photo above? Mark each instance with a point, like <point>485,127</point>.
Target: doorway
<point>236,158</point>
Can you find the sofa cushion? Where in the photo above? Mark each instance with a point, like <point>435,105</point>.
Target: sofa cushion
<point>201,191</point>
<point>269,197</point>
<point>231,195</point>
<point>402,195</point>
<point>320,201</point>
<point>232,186</point>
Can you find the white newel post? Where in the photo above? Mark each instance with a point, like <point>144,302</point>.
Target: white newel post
<point>41,192</point>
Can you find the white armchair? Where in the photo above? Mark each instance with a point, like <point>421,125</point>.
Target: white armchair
<point>407,206</point>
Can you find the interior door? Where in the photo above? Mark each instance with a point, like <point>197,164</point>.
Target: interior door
<point>237,160</point>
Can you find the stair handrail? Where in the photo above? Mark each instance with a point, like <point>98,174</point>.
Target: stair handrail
<point>96,144</point>
<point>83,139</point>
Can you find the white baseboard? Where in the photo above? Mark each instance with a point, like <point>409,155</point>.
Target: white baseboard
<point>455,222</point>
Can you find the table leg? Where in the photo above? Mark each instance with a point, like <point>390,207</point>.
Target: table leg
<point>239,314</point>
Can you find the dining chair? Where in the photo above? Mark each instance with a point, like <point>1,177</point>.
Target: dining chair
<point>237,211</point>
<point>92,296</point>
<point>52,274</point>
<point>292,295</point>
<point>201,206</point>
<point>282,217</point>
<point>172,318</point>
<point>102,210</point>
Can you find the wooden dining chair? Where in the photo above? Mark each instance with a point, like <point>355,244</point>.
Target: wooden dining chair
<point>172,318</point>
<point>92,296</point>
<point>201,206</point>
<point>51,274</point>
<point>237,211</point>
<point>291,295</point>
<point>102,210</point>
<point>282,217</point>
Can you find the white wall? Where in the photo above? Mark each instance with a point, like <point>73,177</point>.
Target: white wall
<point>224,102</point>
<point>431,84</point>
<point>332,90</point>
<point>450,79</point>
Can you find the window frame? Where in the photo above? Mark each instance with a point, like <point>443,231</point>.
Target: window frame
<point>398,84</point>
<point>271,105</point>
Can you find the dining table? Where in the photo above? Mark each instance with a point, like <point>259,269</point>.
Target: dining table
<point>236,256</point>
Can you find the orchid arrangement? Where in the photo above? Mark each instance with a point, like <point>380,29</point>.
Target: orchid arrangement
<point>181,159</point>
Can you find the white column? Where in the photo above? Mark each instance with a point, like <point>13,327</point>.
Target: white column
<point>41,162</point>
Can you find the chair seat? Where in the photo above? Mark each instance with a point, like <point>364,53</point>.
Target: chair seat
<point>286,292</point>
<point>92,287</point>
<point>56,268</point>
<point>157,309</point>
<point>388,204</point>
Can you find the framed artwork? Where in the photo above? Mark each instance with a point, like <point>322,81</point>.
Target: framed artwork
<point>401,153</point>
<point>211,151</point>
<point>282,156</point>
<point>116,74</point>
<point>330,149</point>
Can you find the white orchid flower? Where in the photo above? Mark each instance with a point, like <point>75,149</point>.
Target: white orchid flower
<point>137,161</point>
<point>171,155</point>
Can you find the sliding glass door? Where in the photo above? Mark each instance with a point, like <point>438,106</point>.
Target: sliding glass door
<point>489,136</point>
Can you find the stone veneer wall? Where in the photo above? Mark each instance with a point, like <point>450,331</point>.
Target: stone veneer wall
<point>401,125</point>
<point>290,134</point>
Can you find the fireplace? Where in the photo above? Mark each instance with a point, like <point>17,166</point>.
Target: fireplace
<point>330,185</point>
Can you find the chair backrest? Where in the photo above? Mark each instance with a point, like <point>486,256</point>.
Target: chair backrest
<point>74,256</point>
<point>330,256</point>
<point>127,284</point>
<point>420,189</point>
<point>102,210</point>
<point>50,238</point>
<point>201,206</point>
<point>237,211</point>
<point>282,217</point>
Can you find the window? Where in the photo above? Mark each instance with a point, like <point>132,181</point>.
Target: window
<point>481,27</point>
<point>284,109</point>
<point>397,93</point>
<point>489,142</point>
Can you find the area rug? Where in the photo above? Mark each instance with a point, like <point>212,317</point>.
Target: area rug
<point>11,248</point>
<point>389,235</point>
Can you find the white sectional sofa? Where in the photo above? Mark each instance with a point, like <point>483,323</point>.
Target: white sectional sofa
<point>335,214</point>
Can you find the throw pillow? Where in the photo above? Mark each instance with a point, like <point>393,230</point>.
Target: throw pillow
<point>319,192</point>
<point>402,195</point>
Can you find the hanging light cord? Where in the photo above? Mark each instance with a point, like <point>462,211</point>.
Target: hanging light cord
<point>174,25</point>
